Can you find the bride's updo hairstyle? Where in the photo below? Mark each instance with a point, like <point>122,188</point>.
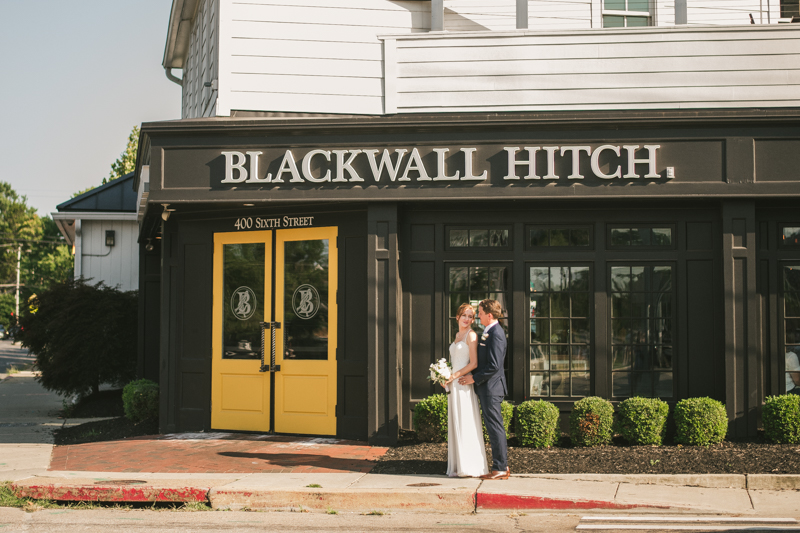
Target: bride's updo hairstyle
<point>463,309</point>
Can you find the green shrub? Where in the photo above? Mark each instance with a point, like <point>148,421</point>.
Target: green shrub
<point>82,335</point>
<point>537,424</point>
<point>700,421</point>
<point>507,410</point>
<point>642,421</point>
<point>591,421</point>
<point>781,417</point>
<point>140,400</point>
<point>430,418</point>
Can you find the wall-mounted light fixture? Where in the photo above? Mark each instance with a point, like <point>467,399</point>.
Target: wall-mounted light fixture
<point>165,214</point>
<point>110,237</point>
<point>149,246</point>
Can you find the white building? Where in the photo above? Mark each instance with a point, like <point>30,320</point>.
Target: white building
<point>381,57</point>
<point>101,227</point>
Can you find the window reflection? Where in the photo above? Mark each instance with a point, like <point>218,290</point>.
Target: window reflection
<point>560,335</point>
<point>641,331</point>
<point>472,285</point>
<point>477,237</point>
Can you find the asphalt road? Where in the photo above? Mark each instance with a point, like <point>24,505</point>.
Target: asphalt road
<point>13,355</point>
<point>105,520</point>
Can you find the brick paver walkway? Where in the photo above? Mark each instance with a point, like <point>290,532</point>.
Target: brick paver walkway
<point>218,453</point>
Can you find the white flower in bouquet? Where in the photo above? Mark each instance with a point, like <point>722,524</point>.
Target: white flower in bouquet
<point>440,372</point>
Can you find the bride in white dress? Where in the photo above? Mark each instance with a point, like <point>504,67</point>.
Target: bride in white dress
<point>466,451</point>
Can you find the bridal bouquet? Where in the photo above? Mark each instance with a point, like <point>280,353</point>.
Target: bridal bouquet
<point>441,371</point>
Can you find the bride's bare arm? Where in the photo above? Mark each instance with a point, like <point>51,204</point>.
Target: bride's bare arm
<point>472,344</point>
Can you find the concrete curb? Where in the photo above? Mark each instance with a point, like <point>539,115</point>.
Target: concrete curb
<point>376,492</point>
<point>773,482</point>
<point>712,481</point>
<point>346,500</point>
<point>110,490</point>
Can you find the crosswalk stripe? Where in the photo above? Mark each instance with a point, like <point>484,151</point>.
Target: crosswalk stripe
<point>682,527</point>
<point>689,519</point>
<point>687,523</point>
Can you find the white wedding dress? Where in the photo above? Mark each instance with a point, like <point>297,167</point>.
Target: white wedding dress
<point>466,451</point>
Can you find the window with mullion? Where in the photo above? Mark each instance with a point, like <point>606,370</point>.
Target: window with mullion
<point>472,284</point>
<point>791,326</point>
<point>626,13</point>
<point>642,324</point>
<point>560,330</point>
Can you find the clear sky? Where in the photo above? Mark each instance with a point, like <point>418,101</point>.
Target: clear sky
<point>75,77</point>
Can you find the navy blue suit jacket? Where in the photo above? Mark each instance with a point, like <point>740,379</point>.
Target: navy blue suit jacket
<point>490,379</point>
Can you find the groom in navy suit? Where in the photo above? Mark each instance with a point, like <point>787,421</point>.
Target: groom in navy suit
<point>490,384</point>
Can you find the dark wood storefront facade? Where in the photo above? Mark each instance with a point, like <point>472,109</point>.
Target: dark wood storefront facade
<point>670,277</point>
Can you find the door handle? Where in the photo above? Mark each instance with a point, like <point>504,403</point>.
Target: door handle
<point>271,367</point>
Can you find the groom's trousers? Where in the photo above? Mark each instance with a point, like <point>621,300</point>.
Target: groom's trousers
<point>493,419</point>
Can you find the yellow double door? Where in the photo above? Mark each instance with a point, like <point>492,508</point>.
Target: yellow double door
<point>274,331</point>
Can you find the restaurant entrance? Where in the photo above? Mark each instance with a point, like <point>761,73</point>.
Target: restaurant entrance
<point>274,331</point>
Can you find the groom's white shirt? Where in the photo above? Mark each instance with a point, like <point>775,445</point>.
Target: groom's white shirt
<point>487,328</point>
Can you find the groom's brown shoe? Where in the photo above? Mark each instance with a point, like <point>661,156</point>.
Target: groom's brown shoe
<point>497,474</point>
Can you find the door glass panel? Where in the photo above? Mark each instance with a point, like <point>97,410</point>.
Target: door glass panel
<point>305,327</point>
<point>242,300</point>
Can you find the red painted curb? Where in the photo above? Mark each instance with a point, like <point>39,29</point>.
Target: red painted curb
<point>510,501</point>
<point>102,493</point>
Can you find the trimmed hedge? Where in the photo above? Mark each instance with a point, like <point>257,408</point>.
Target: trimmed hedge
<point>781,417</point>
<point>591,422</point>
<point>700,421</point>
<point>507,410</point>
<point>140,400</point>
<point>430,418</point>
<point>642,421</point>
<point>537,424</point>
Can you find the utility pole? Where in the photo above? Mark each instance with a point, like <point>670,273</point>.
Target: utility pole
<point>16,303</point>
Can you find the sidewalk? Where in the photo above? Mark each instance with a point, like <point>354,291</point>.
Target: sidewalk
<point>236,471</point>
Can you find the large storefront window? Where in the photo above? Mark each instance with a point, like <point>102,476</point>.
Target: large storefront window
<point>642,324</point>
<point>791,313</point>
<point>560,334</point>
<point>471,284</point>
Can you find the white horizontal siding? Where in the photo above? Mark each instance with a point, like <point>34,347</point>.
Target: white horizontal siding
<point>501,15</point>
<point>116,266</point>
<point>732,12</point>
<point>315,103</point>
<point>303,66</point>
<point>599,69</point>
<point>310,56</point>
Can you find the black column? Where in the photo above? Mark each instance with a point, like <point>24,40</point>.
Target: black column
<point>743,363</point>
<point>383,325</point>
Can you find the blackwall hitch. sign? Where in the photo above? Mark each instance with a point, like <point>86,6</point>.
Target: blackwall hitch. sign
<point>401,165</point>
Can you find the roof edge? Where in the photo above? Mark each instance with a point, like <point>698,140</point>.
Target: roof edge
<point>179,32</point>
<point>113,183</point>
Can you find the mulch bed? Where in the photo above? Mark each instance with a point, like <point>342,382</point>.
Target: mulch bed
<point>413,457</point>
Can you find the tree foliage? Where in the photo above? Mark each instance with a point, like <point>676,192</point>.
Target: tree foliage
<point>45,257</point>
<point>126,162</point>
<point>82,335</point>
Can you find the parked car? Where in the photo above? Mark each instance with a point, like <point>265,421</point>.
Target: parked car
<point>3,332</point>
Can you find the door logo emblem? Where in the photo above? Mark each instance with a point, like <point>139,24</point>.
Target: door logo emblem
<point>243,303</point>
<point>305,301</point>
